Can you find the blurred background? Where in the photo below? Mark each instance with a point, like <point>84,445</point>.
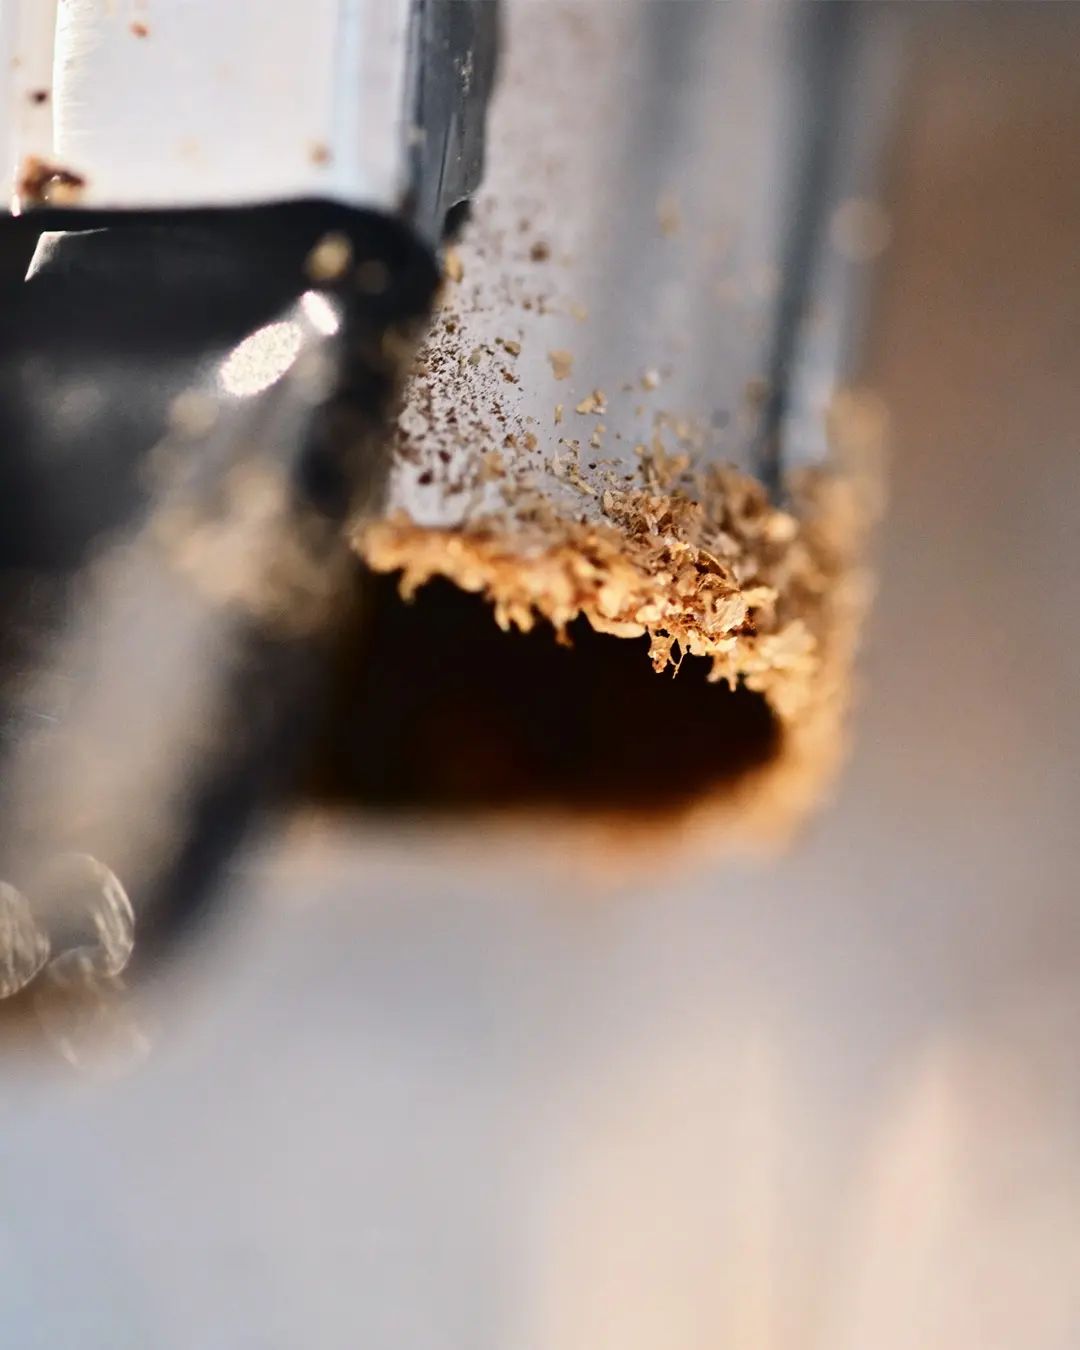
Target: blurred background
<point>453,1094</point>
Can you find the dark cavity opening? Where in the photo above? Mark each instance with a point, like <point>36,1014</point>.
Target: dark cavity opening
<point>437,710</point>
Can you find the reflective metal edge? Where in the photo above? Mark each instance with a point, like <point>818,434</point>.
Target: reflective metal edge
<point>196,103</point>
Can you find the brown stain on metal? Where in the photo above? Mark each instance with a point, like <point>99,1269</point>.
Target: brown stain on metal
<point>41,182</point>
<point>140,30</point>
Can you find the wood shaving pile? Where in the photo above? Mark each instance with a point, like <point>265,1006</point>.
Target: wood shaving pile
<point>707,569</point>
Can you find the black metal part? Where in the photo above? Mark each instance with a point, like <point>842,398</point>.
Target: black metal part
<point>822,75</point>
<point>107,628</point>
<point>459,41</point>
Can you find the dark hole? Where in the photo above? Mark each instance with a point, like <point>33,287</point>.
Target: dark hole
<point>438,710</point>
<point>457,217</point>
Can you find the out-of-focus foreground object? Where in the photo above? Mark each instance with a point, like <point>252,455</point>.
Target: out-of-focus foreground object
<point>222,249</point>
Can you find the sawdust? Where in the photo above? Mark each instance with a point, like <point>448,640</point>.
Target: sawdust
<point>330,259</point>
<point>596,402</point>
<point>771,598</point>
<point>662,545</point>
<point>562,363</point>
<point>453,267</point>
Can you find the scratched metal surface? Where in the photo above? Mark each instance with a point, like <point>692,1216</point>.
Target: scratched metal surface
<point>831,1101</point>
<point>660,212</point>
<point>83,73</point>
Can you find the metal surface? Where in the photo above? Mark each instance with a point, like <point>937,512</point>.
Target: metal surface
<point>656,209</point>
<point>199,103</point>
